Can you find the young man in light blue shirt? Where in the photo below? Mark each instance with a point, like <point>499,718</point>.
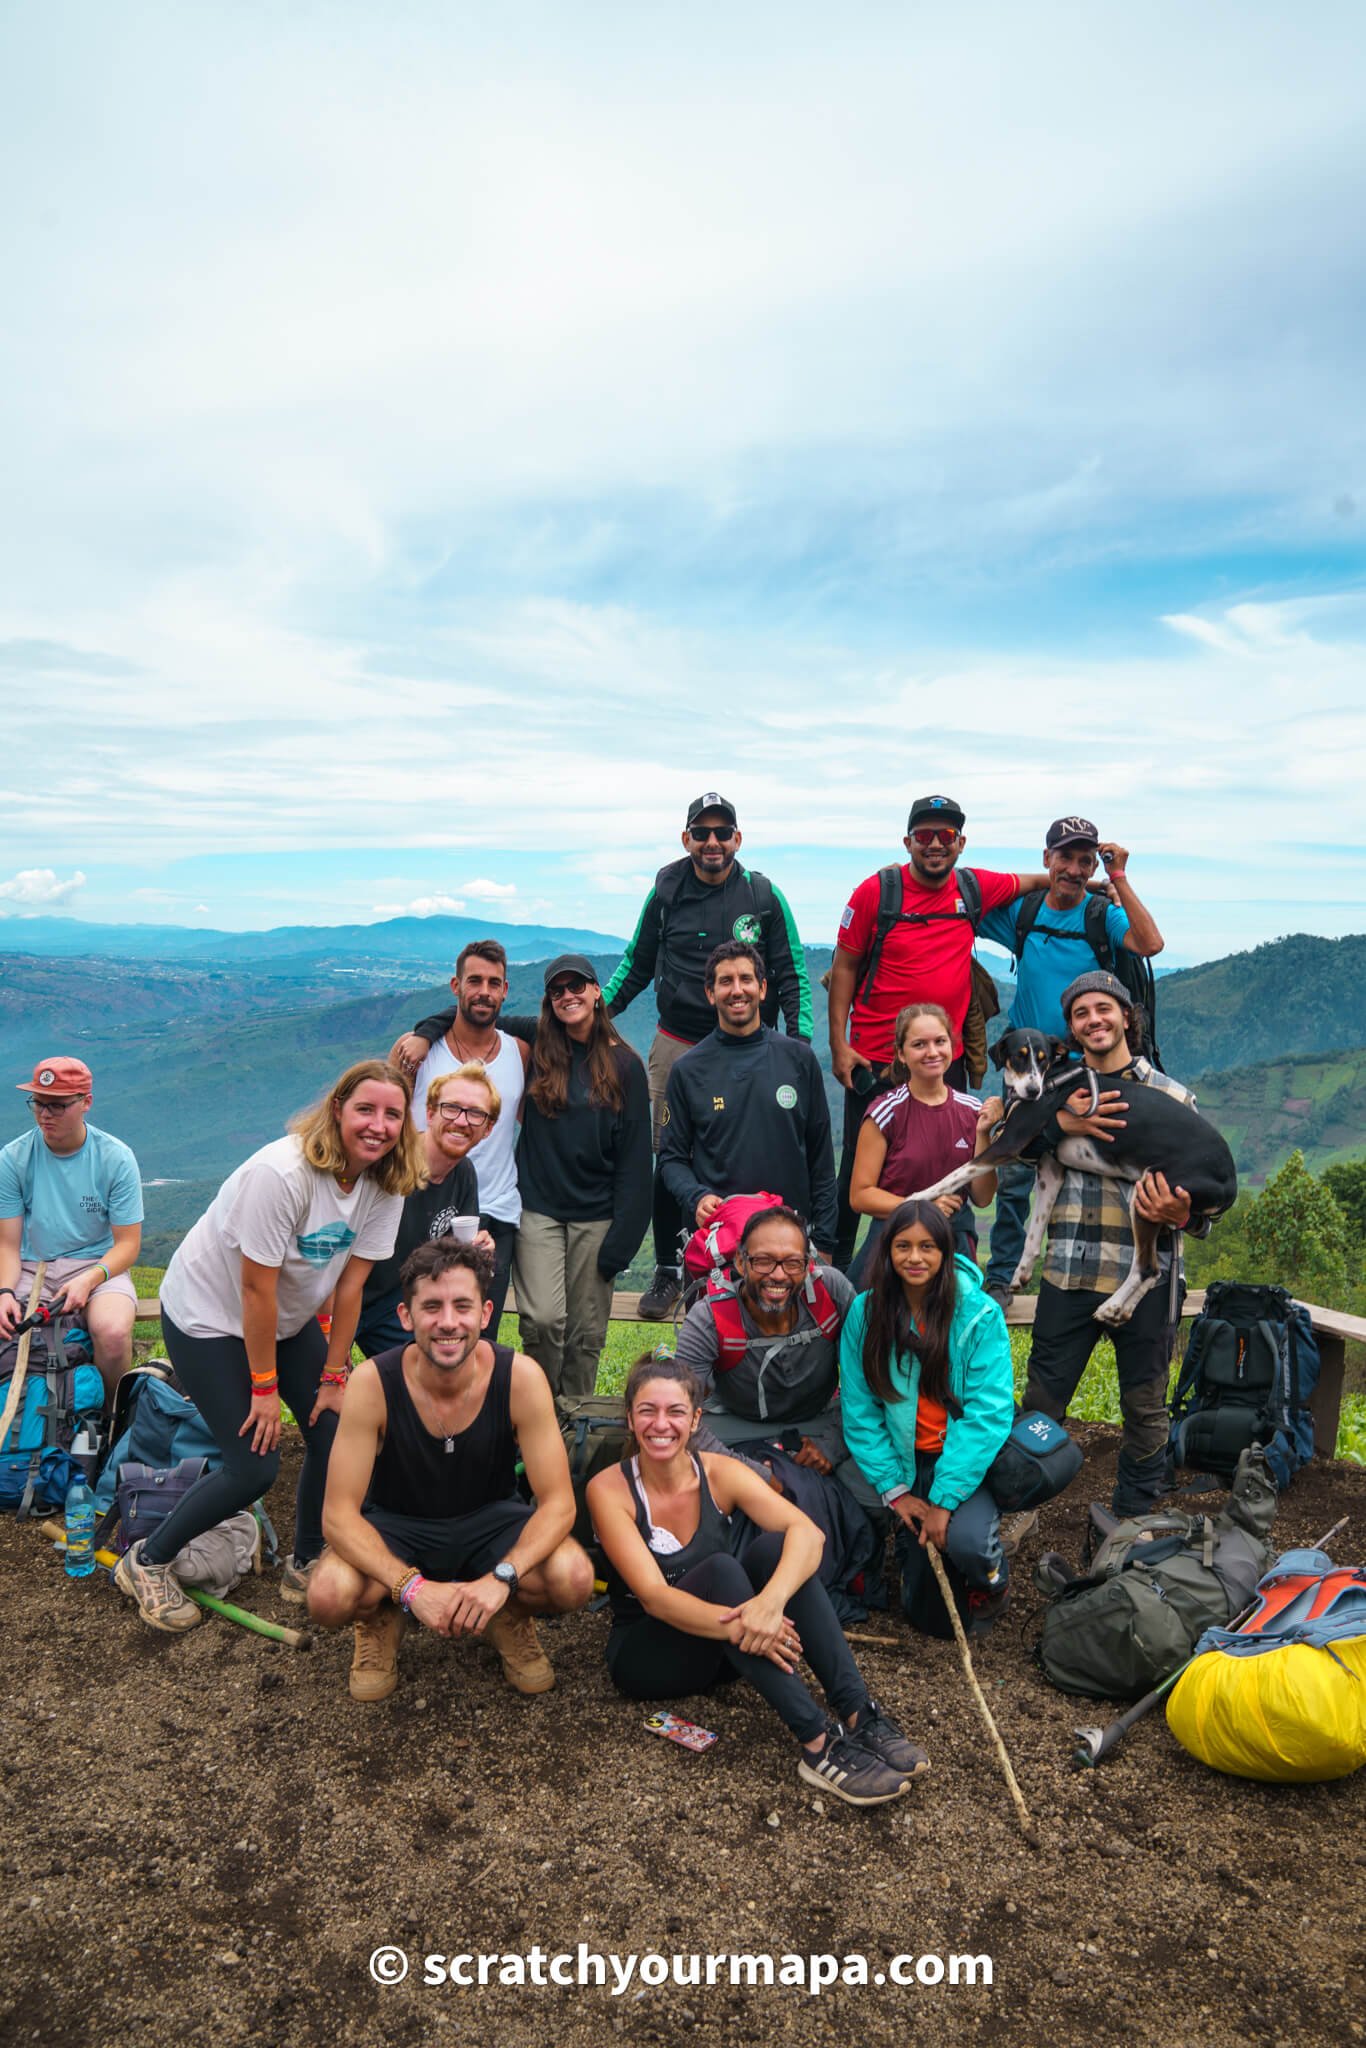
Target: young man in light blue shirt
<point>71,1195</point>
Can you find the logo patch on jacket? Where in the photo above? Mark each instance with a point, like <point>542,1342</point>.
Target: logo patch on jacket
<point>787,1096</point>
<point>747,928</point>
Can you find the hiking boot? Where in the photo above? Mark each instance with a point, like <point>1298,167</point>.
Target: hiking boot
<point>850,1771</point>
<point>985,1609</point>
<point>1014,1529</point>
<point>162,1601</point>
<point>661,1294</point>
<point>525,1664</point>
<point>294,1582</point>
<point>1002,1294</point>
<point>374,1666</point>
<point>879,1734</point>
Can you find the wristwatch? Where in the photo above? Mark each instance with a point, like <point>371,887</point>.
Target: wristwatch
<point>506,1575</point>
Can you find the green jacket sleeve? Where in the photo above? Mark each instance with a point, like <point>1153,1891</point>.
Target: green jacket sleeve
<point>636,967</point>
<point>786,961</point>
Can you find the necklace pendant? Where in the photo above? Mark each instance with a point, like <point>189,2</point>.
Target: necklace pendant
<point>450,1445</point>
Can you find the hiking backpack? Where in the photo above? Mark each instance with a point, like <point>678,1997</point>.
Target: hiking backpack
<point>984,1000</point>
<point>1130,968</point>
<point>712,1246</point>
<point>63,1394</point>
<point>1251,1365</point>
<point>1155,1585</point>
<point>732,1338</point>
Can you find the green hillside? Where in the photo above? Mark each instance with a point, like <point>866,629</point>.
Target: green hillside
<point>1316,1105</point>
<point>1293,996</point>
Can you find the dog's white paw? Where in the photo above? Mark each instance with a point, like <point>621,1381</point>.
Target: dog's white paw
<point>1113,1313</point>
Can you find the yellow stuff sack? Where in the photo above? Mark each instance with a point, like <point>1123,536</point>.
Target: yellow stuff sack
<point>1290,1715</point>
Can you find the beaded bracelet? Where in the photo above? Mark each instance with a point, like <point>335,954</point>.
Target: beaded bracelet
<point>411,1588</point>
<point>402,1583</point>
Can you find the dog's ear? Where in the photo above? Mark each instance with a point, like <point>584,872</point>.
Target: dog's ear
<point>997,1054</point>
<point>1057,1050</point>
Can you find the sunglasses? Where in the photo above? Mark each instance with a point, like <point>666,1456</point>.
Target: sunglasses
<point>700,834</point>
<point>572,985</point>
<point>930,835</point>
<point>459,1113</point>
<point>52,1105</point>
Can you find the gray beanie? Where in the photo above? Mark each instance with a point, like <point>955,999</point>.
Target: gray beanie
<point>1096,983</point>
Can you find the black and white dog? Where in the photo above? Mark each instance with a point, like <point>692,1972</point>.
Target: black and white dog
<point>1161,1135</point>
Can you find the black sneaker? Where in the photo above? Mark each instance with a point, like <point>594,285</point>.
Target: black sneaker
<point>850,1771</point>
<point>878,1733</point>
<point>985,1609</point>
<point>661,1294</point>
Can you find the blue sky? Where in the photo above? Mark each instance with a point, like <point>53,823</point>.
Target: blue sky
<point>440,443</point>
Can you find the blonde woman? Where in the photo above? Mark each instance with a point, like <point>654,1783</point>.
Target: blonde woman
<point>306,1215</point>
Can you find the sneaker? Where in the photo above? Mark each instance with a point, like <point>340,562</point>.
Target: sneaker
<point>374,1666</point>
<point>1002,1294</point>
<point>162,1601</point>
<point>294,1582</point>
<point>661,1294</point>
<point>1014,1529</point>
<point>985,1609</point>
<point>850,1771</point>
<point>525,1664</point>
<point>878,1733</point>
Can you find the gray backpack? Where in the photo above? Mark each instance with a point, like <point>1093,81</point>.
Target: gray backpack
<point>1155,1585</point>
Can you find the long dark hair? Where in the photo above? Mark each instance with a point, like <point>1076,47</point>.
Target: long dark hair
<point>550,1062</point>
<point>657,1365</point>
<point>889,1331</point>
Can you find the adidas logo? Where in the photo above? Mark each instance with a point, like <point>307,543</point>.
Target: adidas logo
<point>962,1146</point>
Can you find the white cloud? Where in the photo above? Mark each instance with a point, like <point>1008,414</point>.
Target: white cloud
<point>37,889</point>
<point>422,906</point>
<point>487,892</point>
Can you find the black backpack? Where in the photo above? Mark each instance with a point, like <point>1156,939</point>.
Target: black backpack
<point>891,890</point>
<point>1251,1365</point>
<point>1135,972</point>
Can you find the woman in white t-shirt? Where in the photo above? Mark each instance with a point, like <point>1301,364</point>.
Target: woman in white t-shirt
<point>304,1217</point>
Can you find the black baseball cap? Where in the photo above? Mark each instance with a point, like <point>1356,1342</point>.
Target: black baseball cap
<point>570,963</point>
<point>937,810</point>
<point>710,802</point>
<point>1071,832</point>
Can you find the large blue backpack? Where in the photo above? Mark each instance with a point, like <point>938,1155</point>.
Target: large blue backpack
<point>157,1426</point>
<point>1251,1365</point>
<point>62,1392</point>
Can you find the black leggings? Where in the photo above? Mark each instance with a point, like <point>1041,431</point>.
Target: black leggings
<point>653,1660</point>
<point>215,1375</point>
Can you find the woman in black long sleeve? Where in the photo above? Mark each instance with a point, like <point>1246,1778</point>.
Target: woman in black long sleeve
<point>583,1167</point>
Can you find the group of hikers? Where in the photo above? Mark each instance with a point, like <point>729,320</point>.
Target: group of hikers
<point>816,1397</point>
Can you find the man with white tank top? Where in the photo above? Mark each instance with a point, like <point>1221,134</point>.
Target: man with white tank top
<point>480,986</point>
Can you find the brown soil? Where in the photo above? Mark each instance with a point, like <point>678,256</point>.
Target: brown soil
<point>205,1839</point>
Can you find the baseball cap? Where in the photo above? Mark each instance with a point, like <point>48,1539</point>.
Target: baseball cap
<point>941,810</point>
<point>570,963</point>
<point>59,1076</point>
<point>1071,832</point>
<point>710,802</point>
<point>1096,982</point>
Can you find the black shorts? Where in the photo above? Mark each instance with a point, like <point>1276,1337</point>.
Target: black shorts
<point>460,1547</point>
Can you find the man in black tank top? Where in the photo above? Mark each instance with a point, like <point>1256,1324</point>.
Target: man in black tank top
<point>422,1513</point>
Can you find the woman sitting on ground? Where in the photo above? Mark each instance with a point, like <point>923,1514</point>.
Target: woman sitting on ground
<point>583,1167</point>
<point>927,1395</point>
<point>912,1136</point>
<point>686,1614</point>
<point>305,1215</point>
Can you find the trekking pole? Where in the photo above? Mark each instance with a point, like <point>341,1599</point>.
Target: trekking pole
<point>16,1385</point>
<point>295,1638</point>
<point>1096,1743</point>
<point>1027,1826</point>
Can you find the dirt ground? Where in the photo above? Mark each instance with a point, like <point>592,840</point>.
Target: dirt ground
<point>205,1840</point>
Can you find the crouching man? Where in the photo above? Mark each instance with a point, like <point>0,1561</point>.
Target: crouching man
<point>422,1514</point>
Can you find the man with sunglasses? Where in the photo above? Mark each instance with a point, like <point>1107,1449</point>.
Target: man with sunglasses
<point>462,1107</point>
<point>696,904</point>
<point>71,1195</point>
<point>907,934</point>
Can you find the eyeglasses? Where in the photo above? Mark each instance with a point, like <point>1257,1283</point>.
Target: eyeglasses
<point>52,1105</point>
<point>461,1113</point>
<point>763,1263</point>
<point>929,835</point>
<point>572,985</point>
<point>700,834</point>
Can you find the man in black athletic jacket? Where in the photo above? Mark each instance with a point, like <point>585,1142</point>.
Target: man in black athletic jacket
<point>746,1108</point>
<point>696,904</point>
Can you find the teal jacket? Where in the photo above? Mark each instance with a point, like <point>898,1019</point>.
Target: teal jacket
<point>881,1434</point>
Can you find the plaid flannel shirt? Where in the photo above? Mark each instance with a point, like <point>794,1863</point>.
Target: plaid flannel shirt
<point>1090,1242</point>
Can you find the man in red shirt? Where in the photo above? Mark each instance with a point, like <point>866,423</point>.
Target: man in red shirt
<point>924,955</point>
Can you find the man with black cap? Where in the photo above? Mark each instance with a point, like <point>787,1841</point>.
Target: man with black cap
<point>1091,1248</point>
<point>697,904</point>
<point>907,933</point>
<point>1050,934</point>
<point>71,1197</point>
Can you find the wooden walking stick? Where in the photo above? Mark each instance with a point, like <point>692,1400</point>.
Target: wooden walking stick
<point>16,1385</point>
<point>1027,1826</point>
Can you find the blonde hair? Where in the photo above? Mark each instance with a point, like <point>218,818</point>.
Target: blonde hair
<point>401,1171</point>
<point>473,1070</point>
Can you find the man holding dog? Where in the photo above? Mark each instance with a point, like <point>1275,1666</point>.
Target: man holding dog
<point>422,1514</point>
<point>71,1196</point>
<point>1091,1248</point>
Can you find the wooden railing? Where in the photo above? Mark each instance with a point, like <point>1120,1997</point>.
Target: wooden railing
<point>1333,1330</point>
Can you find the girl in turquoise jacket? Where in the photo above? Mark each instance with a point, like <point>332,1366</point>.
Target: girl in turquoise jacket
<point>927,1399</point>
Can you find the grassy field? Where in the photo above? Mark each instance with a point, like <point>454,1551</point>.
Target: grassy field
<point>1096,1399</point>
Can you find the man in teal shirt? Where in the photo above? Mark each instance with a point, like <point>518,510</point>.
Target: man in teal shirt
<point>71,1196</point>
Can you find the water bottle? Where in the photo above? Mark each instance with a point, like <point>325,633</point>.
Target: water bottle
<point>85,1449</point>
<point>80,1529</point>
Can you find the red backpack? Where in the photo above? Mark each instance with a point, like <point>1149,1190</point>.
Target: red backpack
<point>732,1338</point>
<point>712,1246</point>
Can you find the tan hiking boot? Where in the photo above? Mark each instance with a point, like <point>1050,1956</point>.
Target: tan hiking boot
<point>1015,1528</point>
<point>525,1664</point>
<point>162,1601</point>
<point>374,1667</point>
